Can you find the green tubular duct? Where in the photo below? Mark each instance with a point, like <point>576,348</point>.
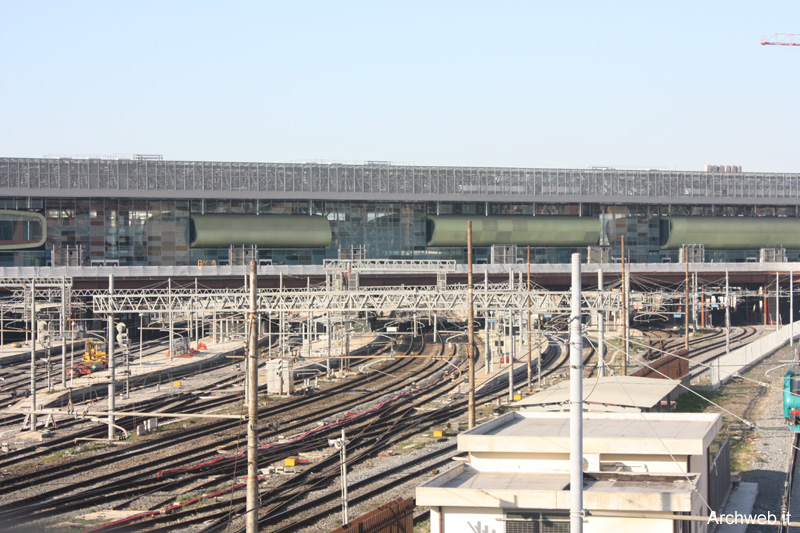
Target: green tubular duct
<point>275,231</point>
<point>451,230</point>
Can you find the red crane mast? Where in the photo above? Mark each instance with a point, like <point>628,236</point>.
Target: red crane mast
<point>782,39</point>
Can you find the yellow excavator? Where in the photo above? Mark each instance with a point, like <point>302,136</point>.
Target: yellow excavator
<point>94,358</point>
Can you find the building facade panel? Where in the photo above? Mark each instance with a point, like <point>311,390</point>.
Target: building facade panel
<point>138,211</point>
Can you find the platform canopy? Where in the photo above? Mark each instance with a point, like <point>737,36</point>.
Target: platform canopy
<point>610,393</point>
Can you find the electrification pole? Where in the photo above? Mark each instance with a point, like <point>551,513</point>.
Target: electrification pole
<point>530,346</point>
<point>686,310</point>
<point>471,333</point>
<point>252,411</point>
<point>601,341</point>
<point>33,355</point>
<point>112,392</point>
<point>727,315</point>
<point>576,402</point>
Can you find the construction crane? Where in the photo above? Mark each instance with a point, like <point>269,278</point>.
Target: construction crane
<point>782,39</point>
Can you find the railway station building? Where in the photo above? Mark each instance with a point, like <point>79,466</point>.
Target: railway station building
<point>641,471</point>
<point>143,210</point>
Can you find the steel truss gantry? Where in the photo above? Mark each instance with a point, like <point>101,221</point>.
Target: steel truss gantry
<point>386,299</point>
<point>421,266</point>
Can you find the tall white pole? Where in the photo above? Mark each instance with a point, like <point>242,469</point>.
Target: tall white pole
<point>470,333</point>
<point>727,315</point>
<point>345,514</point>
<point>171,325</point>
<point>791,308</point>
<point>576,402</point>
<point>63,328</point>
<point>601,340</point>
<point>252,411</point>
<point>141,328</point>
<point>110,354</point>
<point>777,301</point>
<point>33,355</point>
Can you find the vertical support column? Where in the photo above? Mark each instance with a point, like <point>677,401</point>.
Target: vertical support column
<point>110,354</point>
<point>777,302</point>
<point>727,314</point>
<point>470,333</point>
<point>63,329</point>
<point>141,331</point>
<point>624,313</point>
<point>198,319</point>
<point>791,308</point>
<point>252,410</point>
<point>33,355</point>
<point>601,317</point>
<point>576,402</point>
<point>530,346</point>
<point>171,321</point>
<point>330,338</point>
<point>686,307</point>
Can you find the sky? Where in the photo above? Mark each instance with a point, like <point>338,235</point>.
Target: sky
<point>546,84</point>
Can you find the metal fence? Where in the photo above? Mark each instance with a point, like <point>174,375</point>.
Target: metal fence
<point>719,473</point>
<point>394,517</point>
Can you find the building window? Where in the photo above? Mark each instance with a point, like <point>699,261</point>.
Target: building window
<point>537,522</point>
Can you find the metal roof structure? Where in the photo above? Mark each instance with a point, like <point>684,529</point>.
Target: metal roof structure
<point>378,181</point>
<point>605,394</point>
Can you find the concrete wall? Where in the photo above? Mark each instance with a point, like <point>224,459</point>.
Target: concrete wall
<point>559,462</point>
<point>725,367</point>
<point>470,519</point>
<point>627,525</point>
<point>482,520</point>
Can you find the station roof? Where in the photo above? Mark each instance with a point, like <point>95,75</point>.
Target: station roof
<point>604,393</point>
<point>618,433</point>
<point>464,487</point>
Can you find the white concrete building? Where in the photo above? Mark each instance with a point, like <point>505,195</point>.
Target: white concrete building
<point>516,479</point>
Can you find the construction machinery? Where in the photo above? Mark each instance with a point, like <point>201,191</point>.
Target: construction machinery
<point>94,358</point>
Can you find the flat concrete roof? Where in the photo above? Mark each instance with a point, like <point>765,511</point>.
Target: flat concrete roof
<point>622,391</point>
<point>631,433</point>
<point>464,487</point>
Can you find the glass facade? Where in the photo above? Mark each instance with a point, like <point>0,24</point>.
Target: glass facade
<point>138,210</point>
<point>154,232</point>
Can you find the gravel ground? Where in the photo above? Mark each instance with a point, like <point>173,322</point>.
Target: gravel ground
<point>763,452</point>
<point>375,466</point>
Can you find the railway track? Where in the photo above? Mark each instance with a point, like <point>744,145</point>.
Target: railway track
<point>204,453</point>
<point>201,469</point>
<point>275,501</point>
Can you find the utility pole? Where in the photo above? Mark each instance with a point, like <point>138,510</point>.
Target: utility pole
<point>686,310</point>
<point>601,341</point>
<point>252,411</point>
<point>112,391</point>
<point>341,445</point>
<point>33,355</point>
<point>63,329</point>
<point>777,301</point>
<point>727,314</point>
<point>171,325</point>
<point>530,346</point>
<point>624,314</point>
<point>470,333</point>
<point>576,402</point>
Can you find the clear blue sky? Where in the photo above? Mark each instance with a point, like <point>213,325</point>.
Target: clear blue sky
<point>569,84</point>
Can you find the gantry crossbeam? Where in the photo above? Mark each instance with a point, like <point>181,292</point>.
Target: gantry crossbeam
<point>388,299</point>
